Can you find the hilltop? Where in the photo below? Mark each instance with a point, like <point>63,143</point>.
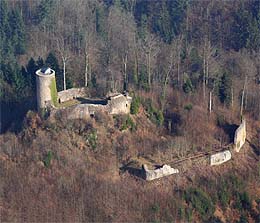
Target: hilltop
<point>72,170</point>
<point>129,111</point>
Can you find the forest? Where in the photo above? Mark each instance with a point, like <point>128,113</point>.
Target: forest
<point>193,70</point>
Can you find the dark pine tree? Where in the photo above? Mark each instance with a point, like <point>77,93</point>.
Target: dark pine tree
<point>31,68</point>
<point>225,89</point>
<point>52,62</point>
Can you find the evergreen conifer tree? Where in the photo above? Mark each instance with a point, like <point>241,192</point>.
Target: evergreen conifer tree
<point>225,89</point>
<point>52,62</point>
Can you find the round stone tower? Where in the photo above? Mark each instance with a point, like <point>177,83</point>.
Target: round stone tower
<point>46,88</point>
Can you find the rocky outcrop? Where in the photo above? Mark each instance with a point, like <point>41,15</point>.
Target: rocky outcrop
<point>163,171</point>
<point>219,158</point>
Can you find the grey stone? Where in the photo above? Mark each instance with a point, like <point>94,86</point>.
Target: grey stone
<point>219,158</point>
<point>240,136</point>
<point>165,170</point>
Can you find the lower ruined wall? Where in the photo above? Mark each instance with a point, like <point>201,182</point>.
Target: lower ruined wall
<point>84,111</point>
<point>240,136</point>
<point>165,170</point>
<point>70,94</point>
<point>219,158</point>
<point>80,111</point>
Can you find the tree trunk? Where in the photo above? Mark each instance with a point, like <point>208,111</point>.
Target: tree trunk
<point>90,73</point>
<point>178,71</point>
<point>86,70</point>
<point>232,97</point>
<point>125,71</point>
<point>207,70</point>
<point>210,102</point>
<point>64,73</point>
<point>136,68</point>
<point>149,69</point>
<point>242,98</point>
<point>259,106</point>
<point>204,76</point>
<point>165,85</point>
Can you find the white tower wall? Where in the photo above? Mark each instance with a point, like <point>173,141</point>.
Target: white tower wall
<point>45,81</point>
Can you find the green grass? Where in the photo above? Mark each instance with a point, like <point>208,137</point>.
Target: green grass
<point>54,93</point>
<point>47,159</point>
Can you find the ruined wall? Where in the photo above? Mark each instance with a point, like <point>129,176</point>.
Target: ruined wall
<point>219,158</point>
<point>119,104</point>
<point>79,111</point>
<point>70,94</point>
<point>84,111</point>
<point>46,89</point>
<point>240,136</point>
<point>165,170</point>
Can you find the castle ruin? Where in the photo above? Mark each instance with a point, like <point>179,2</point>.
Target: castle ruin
<point>73,102</point>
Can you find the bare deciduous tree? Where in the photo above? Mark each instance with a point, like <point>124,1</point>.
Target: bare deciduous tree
<point>64,53</point>
<point>150,46</point>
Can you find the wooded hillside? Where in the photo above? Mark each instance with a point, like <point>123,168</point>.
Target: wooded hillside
<point>193,70</point>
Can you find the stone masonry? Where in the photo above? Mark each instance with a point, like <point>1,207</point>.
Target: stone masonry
<point>117,104</point>
<point>49,99</point>
<point>165,170</point>
<point>45,78</point>
<point>219,158</point>
<point>70,94</point>
<point>240,136</point>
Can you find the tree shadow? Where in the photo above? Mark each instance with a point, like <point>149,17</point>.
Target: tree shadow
<point>254,147</point>
<point>230,130</point>
<point>174,122</point>
<point>12,114</point>
<point>91,101</point>
<point>139,172</point>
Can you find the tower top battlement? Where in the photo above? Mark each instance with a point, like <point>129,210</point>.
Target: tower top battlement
<point>45,72</point>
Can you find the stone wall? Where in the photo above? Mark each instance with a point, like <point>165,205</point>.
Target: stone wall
<point>115,105</point>
<point>240,136</point>
<point>219,158</point>
<point>119,104</point>
<point>165,170</point>
<point>84,111</point>
<point>70,94</point>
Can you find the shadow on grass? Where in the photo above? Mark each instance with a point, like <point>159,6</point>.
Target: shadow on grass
<point>139,172</point>
<point>255,148</point>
